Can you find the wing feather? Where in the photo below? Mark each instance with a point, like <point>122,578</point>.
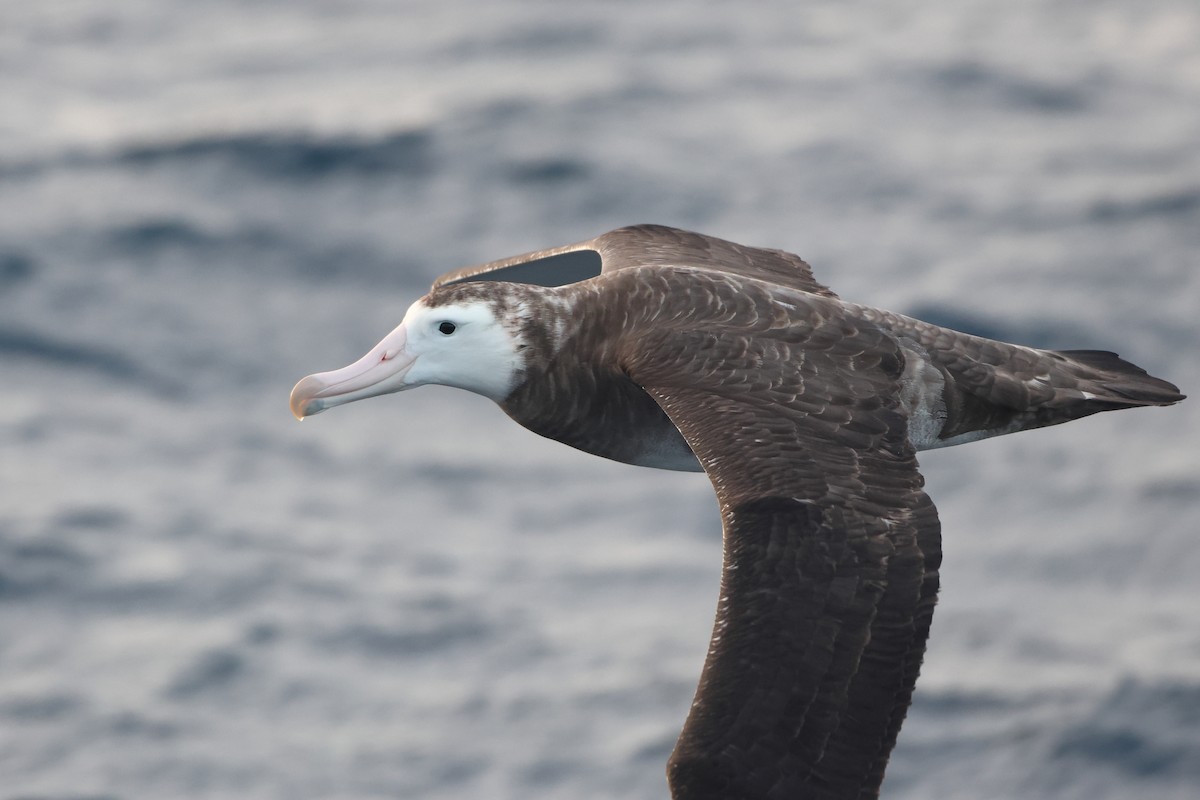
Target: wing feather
<point>643,246</point>
<point>831,550</point>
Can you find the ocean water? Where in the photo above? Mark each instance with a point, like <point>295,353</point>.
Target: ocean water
<point>412,597</point>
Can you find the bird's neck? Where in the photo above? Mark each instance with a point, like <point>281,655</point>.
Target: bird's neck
<point>572,388</point>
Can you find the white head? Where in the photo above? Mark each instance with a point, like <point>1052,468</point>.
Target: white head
<point>460,343</point>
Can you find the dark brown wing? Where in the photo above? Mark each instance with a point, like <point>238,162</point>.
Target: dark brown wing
<point>658,245</point>
<point>831,552</point>
<point>995,387</point>
<point>642,246</point>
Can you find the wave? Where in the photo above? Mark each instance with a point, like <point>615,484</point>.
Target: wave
<point>1139,730</point>
<point>278,155</point>
<point>15,268</point>
<point>976,82</point>
<point>24,343</point>
<point>160,233</point>
<point>295,155</point>
<point>1173,203</point>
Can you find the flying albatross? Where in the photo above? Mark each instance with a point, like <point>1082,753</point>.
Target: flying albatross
<point>670,349</point>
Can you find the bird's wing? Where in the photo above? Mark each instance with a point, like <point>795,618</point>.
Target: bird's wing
<point>830,557</point>
<point>643,246</point>
<point>658,245</point>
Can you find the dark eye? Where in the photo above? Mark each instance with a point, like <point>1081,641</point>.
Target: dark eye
<point>447,328</point>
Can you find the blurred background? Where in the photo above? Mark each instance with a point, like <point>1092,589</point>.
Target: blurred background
<point>201,203</point>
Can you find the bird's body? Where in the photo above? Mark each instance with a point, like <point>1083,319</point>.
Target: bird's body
<point>674,350</point>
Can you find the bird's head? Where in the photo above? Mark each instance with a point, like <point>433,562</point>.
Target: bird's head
<point>456,336</point>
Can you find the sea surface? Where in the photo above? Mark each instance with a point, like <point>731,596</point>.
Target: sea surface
<point>412,597</point>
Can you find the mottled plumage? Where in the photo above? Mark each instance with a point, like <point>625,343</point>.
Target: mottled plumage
<point>670,349</point>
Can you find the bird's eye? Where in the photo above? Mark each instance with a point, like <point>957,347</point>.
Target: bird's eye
<point>447,328</point>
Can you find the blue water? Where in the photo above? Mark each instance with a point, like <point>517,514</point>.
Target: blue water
<point>412,597</point>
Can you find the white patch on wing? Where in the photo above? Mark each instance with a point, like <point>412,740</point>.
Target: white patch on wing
<point>921,388</point>
<point>1039,383</point>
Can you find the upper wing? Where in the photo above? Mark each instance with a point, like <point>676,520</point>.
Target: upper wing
<point>831,552</point>
<point>642,246</point>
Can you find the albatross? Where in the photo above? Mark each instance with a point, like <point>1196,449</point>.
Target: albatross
<point>670,349</point>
